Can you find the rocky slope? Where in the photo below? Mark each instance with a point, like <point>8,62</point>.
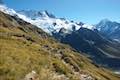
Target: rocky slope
<point>24,48</point>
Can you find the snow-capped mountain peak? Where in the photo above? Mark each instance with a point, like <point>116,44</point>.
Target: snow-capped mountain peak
<point>106,25</point>
<point>105,21</point>
<point>109,28</point>
<point>47,14</point>
<point>33,14</point>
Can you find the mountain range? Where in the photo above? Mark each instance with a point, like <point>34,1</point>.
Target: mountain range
<point>106,27</point>
<point>100,42</point>
<point>24,44</point>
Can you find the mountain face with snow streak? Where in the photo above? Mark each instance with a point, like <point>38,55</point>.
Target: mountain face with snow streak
<point>109,29</point>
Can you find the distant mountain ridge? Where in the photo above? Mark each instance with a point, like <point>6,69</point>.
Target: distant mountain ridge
<point>109,29</point>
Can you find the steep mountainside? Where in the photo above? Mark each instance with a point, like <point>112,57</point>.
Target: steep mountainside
<point>24,47</point>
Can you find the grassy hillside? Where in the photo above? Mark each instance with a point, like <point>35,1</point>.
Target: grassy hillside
<point>24,48</point>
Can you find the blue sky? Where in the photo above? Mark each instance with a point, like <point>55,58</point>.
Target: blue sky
<point>87,11</point>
